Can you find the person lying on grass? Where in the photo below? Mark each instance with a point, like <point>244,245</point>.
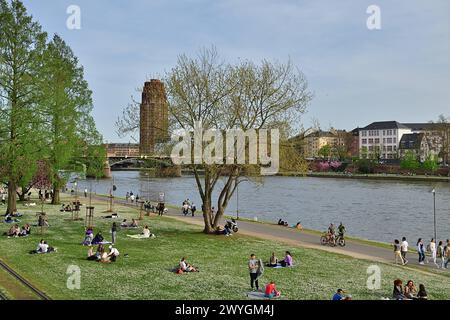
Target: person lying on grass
<point>186,267</point>
<point>271,291</point>
<point>144,235</point>
<point>133,224</point>
<point>43,247</point>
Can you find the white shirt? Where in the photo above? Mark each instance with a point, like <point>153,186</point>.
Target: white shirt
<point>432,247</point>
<point>43,247</point>
<point>183,265</point>
<point>404,246</point>
<point>114,252</point>
<point>146,233</point>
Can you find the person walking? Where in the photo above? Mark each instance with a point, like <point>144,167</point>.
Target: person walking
<point>85,193</point>
<point>441,254</point>
<point>113,233</point>
<point>404,250</point>
<point>432,247</point>
<point>447,253</point>
<point>397,252</point>
<point>193,209</point>
<point>420,251</point>
<point>253,269</point>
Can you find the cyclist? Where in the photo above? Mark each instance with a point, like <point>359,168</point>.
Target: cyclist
<point>331,233</point>
<point>341,230</point>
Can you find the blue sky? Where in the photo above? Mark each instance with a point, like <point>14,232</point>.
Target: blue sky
<point>401,72</point>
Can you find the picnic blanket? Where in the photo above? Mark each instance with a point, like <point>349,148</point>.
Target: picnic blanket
<point>257,295</point>
<point>141,236</point>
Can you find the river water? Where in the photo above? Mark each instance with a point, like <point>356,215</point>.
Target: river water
<point>370,209</point>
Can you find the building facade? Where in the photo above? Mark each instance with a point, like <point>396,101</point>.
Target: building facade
<point>122,150</point>
<point>314,141</point>
<point>380,140</point>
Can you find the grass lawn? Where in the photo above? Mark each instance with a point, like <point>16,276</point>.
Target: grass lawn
<point>145,274</point>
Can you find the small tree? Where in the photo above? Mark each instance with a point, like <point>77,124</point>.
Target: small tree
<point>430,163</point>
<point>410,161</point>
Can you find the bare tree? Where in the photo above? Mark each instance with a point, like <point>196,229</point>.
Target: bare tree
<point>224,96</point>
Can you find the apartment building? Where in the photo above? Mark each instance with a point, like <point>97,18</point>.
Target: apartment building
<point>314,141</point>
<point>380,140</point>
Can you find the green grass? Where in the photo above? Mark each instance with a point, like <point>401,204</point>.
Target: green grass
<point>145,274</point>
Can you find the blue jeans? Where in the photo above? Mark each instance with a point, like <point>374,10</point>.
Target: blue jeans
<point>446,262</point>
<point>421,256</point>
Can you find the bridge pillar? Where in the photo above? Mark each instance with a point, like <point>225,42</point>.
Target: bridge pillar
<point>107,170</point>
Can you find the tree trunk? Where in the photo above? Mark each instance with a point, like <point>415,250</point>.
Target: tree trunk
<point>56,198</point>
<point>12,197</point>
<point>209,228</point>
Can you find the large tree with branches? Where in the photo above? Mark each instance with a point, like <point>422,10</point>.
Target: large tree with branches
<point>222,96</point>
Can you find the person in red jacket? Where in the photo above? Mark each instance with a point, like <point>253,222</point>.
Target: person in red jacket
<point>271,291</point>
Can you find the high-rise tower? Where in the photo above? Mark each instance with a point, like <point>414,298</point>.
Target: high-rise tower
<point>153,116</point>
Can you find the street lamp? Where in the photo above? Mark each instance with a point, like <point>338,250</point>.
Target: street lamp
<point>237,201</point>
<point>434,212</point>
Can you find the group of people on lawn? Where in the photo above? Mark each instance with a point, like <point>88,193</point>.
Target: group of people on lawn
<point>256,270</point>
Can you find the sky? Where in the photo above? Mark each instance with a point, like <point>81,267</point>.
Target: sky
<point>399,72</point>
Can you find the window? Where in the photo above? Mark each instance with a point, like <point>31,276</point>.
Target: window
<point>370,148</point>
<point>364,133</point>
<point>384,132</point>
<point>389,140</point>
<point>395,148</point>
<point>377,140</point>
<point>394,140</point>
<point>384,140</point>
<point>364,141</point>
<point>389,148</point>
<point>370,140</point>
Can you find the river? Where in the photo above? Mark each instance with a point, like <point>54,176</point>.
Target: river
<point>370,209</point>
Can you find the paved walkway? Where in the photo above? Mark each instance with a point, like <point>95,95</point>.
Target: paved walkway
<point>293,236</point>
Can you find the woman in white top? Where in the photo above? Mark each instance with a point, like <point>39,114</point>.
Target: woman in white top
<point>432,247</point>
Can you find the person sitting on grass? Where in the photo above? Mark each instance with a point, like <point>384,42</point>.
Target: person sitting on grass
<point>422,294</point>
<point>98,238</point>
<point>43,247</point>
<point>112,255</point>
<point>397,293</point>
<point>288,261</point>
<point>26,230</point>
<point>299,226</point>
<point>134,224</point>
<point>273,261</point>
<point>97,255</point>
<point>88,237</point>
<point>339,295</point>
<point>42,221</point>
<point>14,231</point>
<point>124,223</point>
<point>271,291</point>
<point>186,267</point>
<point>410,290</point>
